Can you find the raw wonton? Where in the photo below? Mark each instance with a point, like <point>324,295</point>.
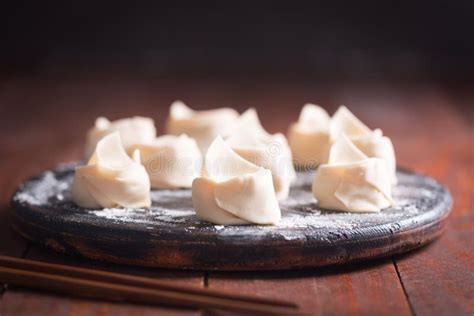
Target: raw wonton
<point>203,126</point>
<point>233,191</point>
<point>309,137</point>
<point>134,130</point>
<point>111,178</point>
<point>171,161</point>
<point>271,151</point>
<point>371,143</point>
<point>351,181</point>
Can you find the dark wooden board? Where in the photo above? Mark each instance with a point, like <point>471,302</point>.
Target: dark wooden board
<point>170,235</point>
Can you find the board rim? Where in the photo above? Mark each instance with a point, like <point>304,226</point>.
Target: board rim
<point>383,245</point>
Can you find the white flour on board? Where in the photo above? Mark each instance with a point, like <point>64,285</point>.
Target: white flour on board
<point>174,207</point>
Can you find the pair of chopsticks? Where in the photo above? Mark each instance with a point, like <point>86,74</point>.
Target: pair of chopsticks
<point>120,287</point>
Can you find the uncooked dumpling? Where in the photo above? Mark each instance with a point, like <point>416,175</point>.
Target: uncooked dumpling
<point>111,178</point>
<point>309,137</point>
<point>203,126</point>
<point>134,130</point>
<point>271,151</point>
<point>233,191</point>
<point>351,181</point>
<point>171,161</point>
<point>371,143</point>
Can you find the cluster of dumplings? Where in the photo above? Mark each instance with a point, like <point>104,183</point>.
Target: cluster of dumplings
<point>238,171</point>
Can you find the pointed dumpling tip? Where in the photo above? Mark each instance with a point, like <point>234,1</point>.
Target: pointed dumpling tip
<point>249,120</point>
<point>310,110</point>
<point>344,121</point>
<point>110,153</point>
<point>344,151</point>
<point>179,110</point>
<point>312,114</point>
<point>222,163</point>
<point>102,123</point>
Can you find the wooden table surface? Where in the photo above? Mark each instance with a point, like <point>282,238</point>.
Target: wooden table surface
<point>43,120</point>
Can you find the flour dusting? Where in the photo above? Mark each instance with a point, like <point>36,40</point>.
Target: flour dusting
<point>173,209</point>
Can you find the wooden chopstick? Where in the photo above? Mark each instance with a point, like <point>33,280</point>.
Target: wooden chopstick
<point>105,276</point>
<point>114,286</point>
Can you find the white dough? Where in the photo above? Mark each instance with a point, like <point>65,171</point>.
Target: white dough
<point>270,151</point>
<point>371,143</point>
<point>134,130</point>
<point>203,126</point>
<point>171,161</point>
<point>233,191</point>
<point>344,122</point>
<point>351,181</point>
<point>312,136</point>
<point>111,178</point>
<point>309,137</point>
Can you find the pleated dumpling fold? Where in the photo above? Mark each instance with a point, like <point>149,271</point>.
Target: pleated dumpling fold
<point>270,151</point>
<point>203,126</point>
<point>233,191</point>
<point>351,181</point>
<point>111,178</point>
<point>312,136</point>
<point>371,142</point>
<point>309,137</point>
<point>133,130</point>
<point>171,161</point>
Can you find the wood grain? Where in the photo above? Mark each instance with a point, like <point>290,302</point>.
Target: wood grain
<point>11,243</point>
<point>24,302</point>
<point>363,289</point>
<point>30,152</point>
<point>27,301</point>
<point>445,270</point>
<point>424,123</point>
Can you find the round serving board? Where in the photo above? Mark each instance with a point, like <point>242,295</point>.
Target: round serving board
<point>170,235</point>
